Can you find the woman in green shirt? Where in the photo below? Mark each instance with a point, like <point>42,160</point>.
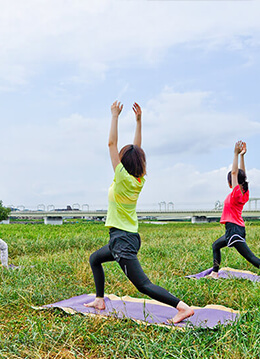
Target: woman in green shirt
<point>130,167</point>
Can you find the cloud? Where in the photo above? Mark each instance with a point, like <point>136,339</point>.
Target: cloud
<point>67,161</point>
<point>59,163</point>
<point>254,182</point>
<point>189,188</point>
<point>189,122</point>
<point>110,34</point>
<point>65,139</point>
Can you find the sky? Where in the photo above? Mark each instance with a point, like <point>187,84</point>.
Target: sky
<point>193,66</point>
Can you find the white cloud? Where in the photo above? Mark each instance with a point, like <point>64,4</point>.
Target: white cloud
<point>186,187</point>
<point>59,163</point>
<point>69,157</point>
<point>189,188</point>
<point>68,161</point>
<point>187,122</point>
<point>95,36</point>
<point>254,182</point>
<point>65,139</point>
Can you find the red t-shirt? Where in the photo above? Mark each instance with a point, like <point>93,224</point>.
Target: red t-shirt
<point>233,206</point>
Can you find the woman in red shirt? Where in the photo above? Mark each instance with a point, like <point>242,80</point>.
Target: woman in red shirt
<point>235,235</point>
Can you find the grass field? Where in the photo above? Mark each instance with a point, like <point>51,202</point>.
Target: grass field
<point>59,256</point>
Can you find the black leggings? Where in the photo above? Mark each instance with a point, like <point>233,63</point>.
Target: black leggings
<point>134,271</point>
<point>241,247</point>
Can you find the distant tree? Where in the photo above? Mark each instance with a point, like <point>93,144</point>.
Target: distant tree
<point>4,212</point>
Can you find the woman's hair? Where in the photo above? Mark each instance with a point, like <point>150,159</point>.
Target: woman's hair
<point>241,178</point>
<point>133,159</point>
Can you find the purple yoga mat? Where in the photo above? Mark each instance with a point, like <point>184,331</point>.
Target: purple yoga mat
<point>228,273</point>
<point>148,312</point>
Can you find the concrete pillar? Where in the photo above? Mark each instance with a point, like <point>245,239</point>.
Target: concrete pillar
<point>199,219</point>
<point>53,220</point>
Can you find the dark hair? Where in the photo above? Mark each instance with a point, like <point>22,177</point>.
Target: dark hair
<point>133,159</point>
<point>241,178</point>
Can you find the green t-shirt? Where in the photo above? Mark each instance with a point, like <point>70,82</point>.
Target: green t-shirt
<point>122,198</point>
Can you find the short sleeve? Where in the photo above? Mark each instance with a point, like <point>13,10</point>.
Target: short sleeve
<point>121,173</point>
<point>237,195</point>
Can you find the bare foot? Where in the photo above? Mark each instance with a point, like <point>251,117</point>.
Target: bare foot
<point>213,275</point>
<point>98,303</point>
<point>184,311</point>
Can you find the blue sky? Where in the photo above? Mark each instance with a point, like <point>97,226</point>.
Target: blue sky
<point>193,66</point>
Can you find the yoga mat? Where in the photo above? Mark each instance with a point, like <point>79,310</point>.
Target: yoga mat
<point>228,273</point>
<point>147,311</point>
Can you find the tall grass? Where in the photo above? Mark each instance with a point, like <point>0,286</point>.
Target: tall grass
<point>54,265</point>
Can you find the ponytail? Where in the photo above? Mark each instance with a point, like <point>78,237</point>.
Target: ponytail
<point>241,177</point>
<point>245,186</point>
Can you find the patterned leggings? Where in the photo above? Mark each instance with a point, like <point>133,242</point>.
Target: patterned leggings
<point>240,246</point>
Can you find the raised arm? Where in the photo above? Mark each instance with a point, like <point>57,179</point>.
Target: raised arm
<point>234,172</point>
<point>242,154</point>
<point>138,130</point>
<point>116,109</point>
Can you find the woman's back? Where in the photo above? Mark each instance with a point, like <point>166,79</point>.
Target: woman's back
<point>122,198</point>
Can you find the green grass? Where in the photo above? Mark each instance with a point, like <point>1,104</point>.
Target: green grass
<point>59,256</point>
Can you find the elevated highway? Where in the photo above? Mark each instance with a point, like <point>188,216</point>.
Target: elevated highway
<point>160,215</point>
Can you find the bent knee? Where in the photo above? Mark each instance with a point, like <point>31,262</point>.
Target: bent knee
<point>3,245</point>
<point>215,246</point>
<point>94,259</point>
